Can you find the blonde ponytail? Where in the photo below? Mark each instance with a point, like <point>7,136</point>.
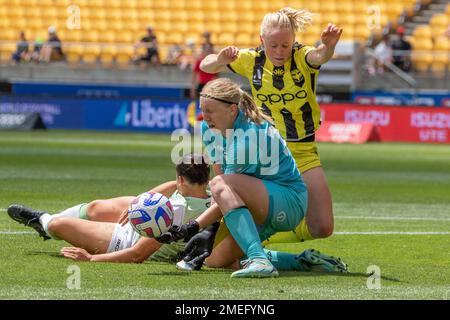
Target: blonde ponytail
<point>296,20</point>
<point>251,110</point>
<point>226,91</point>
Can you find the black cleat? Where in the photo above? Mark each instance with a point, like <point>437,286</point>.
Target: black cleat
<point>28,217</point>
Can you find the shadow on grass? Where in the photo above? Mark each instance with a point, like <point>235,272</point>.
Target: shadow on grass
<point>203,271</point>
<point>44,253</point>
<point>339,274</point>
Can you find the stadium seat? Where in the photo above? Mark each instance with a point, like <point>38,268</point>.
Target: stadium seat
<point>423,31</point>
<point>125,37</point>
<point>73,52</point>
<point>140,5</point>
<point>9,34</point>
<point>108,54</point>
<point>441,54</point>
<point>6,50</point>
<point>243,40</point>
<point>422,60</point>
<point>423,43</point>
<point>90,36</point>
<point>194,5</point>
<point>174,38</point>
<point>225,39</point>
<point>90,54</point>
<point>123,56</point>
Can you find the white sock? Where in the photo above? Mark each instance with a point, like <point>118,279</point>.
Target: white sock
<point>73,212</point>
<point>45,220</point>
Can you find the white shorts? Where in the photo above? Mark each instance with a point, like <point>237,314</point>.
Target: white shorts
<point>123,238</point>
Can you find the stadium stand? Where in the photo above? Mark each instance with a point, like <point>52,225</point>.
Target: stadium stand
<point>233,21</point>
<point>102,32</point>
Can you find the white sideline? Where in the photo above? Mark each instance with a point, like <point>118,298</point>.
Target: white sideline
<point>89,141</point>
<point>412,233</point>
<point>393,218</point>
<point>17,232</point>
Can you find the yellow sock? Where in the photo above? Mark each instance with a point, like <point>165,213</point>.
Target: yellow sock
<point>302,232</point>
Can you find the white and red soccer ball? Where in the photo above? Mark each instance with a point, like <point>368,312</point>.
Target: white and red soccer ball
<point>150,214</point>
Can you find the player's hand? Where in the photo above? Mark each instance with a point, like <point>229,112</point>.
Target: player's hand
<point>175,233</point>
<point>227,55</point>
<point>167,237</point>
<point>330,36</point>
<point>77,254</point>
<point>198,248</point>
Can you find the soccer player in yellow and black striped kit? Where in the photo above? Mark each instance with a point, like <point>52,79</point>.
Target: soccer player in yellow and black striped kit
<point>283,75</point>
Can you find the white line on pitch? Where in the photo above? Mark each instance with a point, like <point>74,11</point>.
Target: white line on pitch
<point>391,233</point>
<point>17,232</point>
<point>89,141</point>
<point>393,218</point>
<point>336,233</point>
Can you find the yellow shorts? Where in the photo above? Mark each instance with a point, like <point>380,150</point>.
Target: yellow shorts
<point>306,157</point>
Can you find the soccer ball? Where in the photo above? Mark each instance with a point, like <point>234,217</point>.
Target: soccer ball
<point>150,214</point>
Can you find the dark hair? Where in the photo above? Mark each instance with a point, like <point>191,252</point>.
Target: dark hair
<point>194,168</point>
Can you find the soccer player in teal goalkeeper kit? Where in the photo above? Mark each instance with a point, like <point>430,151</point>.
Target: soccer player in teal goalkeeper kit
<point>260,191</point>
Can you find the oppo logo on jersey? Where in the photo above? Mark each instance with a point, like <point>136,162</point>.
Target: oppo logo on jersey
<point>284,97</point>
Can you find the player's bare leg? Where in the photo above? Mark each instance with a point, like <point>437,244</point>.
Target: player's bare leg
<point>108,210</point>
<point>92,236</point>
<point>319,216</point>
<point>225,255</point>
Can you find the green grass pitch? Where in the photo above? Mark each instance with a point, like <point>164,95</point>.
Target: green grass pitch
<point>391,203</point>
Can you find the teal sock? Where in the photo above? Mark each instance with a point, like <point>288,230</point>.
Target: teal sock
<point>243,229</point>
<point>284,260</point>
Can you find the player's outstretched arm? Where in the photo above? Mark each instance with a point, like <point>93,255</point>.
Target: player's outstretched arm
<point>215,63</point>
<point>167,188</point>
<point>140,252</point>
<point>322,54</point>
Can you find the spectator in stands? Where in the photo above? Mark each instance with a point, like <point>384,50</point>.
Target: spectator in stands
<point>21,53</point>
<point>149,42</point>
<point>199,77</point>
<point>37,47</point>
<point>187,58</point>
<point>199,80</point>
<point>207,41</point>
<point>184,57</point>
<point>52,49</point>
<point>174,54</point>
<point>401,51</point>
<point>383,55</point>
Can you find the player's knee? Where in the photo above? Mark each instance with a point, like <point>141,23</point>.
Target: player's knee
<point>92,209</point>
<point>322,230</point>
<point>217,186</point>
<point>55,225</point>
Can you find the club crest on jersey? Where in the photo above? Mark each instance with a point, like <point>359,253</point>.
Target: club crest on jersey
<point>278,71</point>
<point>298,77</point>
